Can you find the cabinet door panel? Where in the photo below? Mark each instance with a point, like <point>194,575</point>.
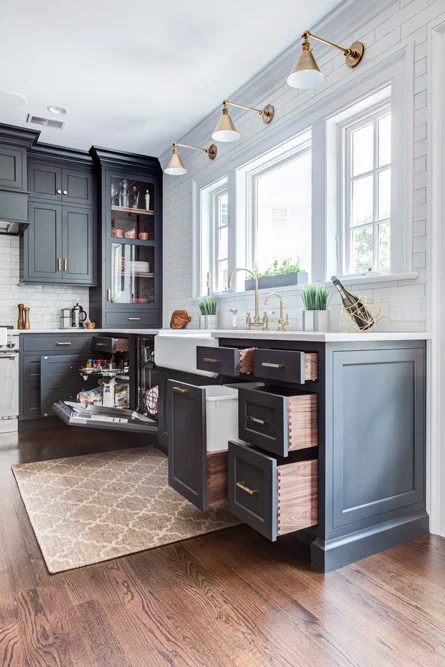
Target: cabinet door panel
<point>78,245</point>
<point>45,182</point>
<point>378,432</point>
<point>12,162</point>
<point>79,187</point>
<point>187,452</point>
<point>43,242</point>
<point>60,379</point>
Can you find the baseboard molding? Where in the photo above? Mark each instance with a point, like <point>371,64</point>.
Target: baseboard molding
<point>333,554</point>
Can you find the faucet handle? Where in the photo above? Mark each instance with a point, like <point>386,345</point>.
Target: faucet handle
<point>248,321</point>
<point>265,322</point>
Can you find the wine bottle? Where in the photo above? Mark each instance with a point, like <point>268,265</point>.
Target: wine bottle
<point>354,307</point>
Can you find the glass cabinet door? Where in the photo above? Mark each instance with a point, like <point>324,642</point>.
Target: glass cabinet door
<point>132,209</point>
<point>132,274</point>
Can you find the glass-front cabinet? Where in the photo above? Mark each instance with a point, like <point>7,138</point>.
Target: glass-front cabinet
<point>131,240</point>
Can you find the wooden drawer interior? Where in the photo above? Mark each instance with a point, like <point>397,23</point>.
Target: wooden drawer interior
<point>216,478</point>
<point>278,419</point>
<point>297,489</point>
<point>311,365</point>
<point>225,360</point>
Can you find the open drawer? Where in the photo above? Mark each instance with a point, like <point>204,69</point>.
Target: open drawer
<point>273,498</point>
<point>225,360</point>
<point>286,365</point>
<point>277,419</point>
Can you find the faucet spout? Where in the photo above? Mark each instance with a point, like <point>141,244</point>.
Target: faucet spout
<point>256,320</point>
<point>282,323</point>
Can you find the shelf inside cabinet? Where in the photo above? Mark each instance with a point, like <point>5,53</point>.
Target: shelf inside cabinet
<point>129,209</point>
<point>138,274</point>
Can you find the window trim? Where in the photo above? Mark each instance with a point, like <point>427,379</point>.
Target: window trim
<point>345,130</point>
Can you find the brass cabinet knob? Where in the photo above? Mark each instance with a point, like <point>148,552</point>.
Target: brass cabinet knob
<point>59,191</point>
<point>65,192</point>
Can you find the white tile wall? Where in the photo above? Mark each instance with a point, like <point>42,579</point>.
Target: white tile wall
<point>45,301</point>
<point>399,23</point>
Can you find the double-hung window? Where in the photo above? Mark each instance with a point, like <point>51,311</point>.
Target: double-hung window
<point>367,192</point>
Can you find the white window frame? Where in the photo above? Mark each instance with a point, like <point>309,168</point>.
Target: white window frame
<point>269,163</point>
<point>208,243</point>
<point>216,194</point>
<point>319,120</point>
<point>372,115</point>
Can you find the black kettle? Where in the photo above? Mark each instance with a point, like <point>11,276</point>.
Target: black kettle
<point>78,316</point>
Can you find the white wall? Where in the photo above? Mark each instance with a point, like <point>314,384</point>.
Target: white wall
<point>385,27</point>
<point>45,301</point>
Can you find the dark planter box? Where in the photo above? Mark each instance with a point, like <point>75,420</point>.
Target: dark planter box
<point>271,282</point>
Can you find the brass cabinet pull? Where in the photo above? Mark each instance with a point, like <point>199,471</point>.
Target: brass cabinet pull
<point>268,364</point>
<point>209,360</point>
<point>64,343</point>
<point>180,390</point>
<point>134,319</point>
<point>108,295</point>
<point>100,344</point>
<point>65,264</point>
<point>59,264</point>
<point>59,191</point>
<point>243,487</point>
<point>256,420</point>
<point>65,192</point>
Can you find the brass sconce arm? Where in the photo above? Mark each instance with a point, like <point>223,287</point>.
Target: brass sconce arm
<point>266,113</point>
<point>353,55</point>
<point>211,150</point>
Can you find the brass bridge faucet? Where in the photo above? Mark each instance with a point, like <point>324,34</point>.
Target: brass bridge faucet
<point>282,323</point>
<point>256,324</point>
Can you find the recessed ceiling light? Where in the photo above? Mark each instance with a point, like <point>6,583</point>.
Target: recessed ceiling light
<point>59,111</point>
<point>9,99</point>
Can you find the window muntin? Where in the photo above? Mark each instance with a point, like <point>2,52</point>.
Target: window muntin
<point>282,212</point>
<point>367,192</point>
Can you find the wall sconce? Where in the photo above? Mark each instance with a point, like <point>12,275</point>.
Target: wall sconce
<point>175,166</point>
<point>306,73</point>
<point>226,130</point>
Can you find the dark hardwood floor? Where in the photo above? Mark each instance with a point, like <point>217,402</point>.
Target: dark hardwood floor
<point>229,598</point>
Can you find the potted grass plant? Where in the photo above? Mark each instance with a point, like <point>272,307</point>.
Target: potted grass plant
<point>279,275</point>
<point>315,313</point>
<point>207,306</point>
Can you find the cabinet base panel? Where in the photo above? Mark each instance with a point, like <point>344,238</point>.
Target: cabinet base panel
<point>333,554</point>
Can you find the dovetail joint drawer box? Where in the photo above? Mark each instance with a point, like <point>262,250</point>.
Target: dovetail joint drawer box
<point>273,498</point>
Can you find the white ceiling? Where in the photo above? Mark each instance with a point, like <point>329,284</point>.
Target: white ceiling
<point>137,74</point>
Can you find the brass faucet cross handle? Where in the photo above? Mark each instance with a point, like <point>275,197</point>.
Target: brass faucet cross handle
<point>282,323</point>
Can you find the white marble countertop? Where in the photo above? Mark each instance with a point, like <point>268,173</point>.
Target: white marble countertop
<point>315,336</point>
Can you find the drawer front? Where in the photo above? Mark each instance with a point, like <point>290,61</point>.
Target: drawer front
<point>224,360</point>
<point>132,319</point>
<point>56,343</point>
<point>103,344</point>
<point>286,365</point>
<point>252,488</point>
<point>272,499</point>
<point>263,420</point>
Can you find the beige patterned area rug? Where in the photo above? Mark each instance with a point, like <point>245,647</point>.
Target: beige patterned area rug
<point>87,509</point>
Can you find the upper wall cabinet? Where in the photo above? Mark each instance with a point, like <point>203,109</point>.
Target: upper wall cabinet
<point>52,183</point>
<point>131,241</point>
<point>12,167</point>
<point>60,244</point>
<point>14,145</point>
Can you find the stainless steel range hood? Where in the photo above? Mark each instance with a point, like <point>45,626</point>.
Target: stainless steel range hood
<point>13,212</point>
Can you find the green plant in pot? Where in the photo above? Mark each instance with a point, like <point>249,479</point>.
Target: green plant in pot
<point>288,272</point>
<point>207,306</point>
<point>315,313</point>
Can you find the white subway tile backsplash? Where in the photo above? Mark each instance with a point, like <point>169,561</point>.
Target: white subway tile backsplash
<point>45,301</point>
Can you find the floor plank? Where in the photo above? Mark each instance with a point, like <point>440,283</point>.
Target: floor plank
<point>228,598</point>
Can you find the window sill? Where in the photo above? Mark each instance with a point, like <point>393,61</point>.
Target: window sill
<point>346,280</point>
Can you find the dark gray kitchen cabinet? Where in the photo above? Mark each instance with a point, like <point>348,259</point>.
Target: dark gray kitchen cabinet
<point>12,167</point>
<point>78,245</point>
<point>59,244</point>
<point>60,379</point>
<point>187,464</point>
<point>130,280</point>
<point>48,374</point>
<point>43,243</point>
<point>58,184</point>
